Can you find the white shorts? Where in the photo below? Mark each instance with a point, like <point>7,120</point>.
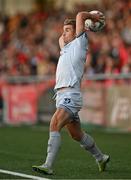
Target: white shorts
<point>71,101</point>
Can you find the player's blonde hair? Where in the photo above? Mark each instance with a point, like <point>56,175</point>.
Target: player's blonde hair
<point>70,21</point>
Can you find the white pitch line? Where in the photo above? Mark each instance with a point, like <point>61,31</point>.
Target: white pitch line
<point>22,175</point>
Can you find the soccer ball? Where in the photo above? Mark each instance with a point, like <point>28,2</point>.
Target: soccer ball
<point>94,26</point>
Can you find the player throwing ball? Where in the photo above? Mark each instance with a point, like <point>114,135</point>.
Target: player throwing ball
<point>74,46</point>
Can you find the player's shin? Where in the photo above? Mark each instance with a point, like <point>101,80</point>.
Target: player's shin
<point>87,142</point>
<point>54,143</point>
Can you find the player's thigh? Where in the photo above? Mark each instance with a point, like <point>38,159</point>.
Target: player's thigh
<point>74,129</point>
<point>60,118</point>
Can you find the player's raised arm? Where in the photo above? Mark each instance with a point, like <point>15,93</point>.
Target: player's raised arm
<point>82,16</point>
<point>61,42</point>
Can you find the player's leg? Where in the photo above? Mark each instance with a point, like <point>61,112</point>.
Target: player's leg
<point>74,130</point>
<point>58,121</point>
<point>88,143</point>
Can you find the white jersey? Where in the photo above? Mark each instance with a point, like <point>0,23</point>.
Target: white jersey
<point>71,63</point>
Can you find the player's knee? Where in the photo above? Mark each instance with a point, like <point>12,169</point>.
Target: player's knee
<point>55,124</point>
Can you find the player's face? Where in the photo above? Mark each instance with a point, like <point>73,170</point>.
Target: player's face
<point>69,33</point>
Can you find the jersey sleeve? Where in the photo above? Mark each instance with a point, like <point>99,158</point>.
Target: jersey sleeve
<point>82,39</point>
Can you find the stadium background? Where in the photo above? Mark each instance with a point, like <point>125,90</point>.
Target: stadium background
<point>29,51</point>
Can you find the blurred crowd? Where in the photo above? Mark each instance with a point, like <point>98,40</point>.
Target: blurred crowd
<point>29,43</point>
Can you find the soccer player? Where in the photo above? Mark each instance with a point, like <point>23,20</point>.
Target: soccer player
<point>74,45</point>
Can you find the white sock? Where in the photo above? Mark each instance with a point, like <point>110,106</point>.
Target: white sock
<point>87,142</point>
<point>54,143</point>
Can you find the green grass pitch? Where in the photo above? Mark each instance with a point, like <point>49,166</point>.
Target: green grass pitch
<point>22,147</point>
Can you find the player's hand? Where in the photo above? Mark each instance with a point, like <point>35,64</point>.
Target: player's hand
<point>97,17</point>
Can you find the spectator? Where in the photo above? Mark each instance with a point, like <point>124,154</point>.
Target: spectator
<point>28,43</point>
